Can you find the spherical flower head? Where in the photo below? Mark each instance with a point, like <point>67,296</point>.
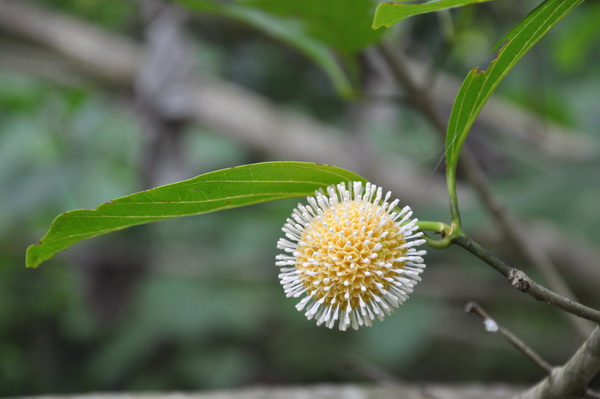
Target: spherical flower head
<point>351,253</point>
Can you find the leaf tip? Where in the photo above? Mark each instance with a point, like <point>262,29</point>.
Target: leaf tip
<point>32,260</point>
<point>376,25</point>
<point>379,19</point>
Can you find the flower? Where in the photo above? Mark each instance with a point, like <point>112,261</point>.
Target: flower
<point>351,253</point>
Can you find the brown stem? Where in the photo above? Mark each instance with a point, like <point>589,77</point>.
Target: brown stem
<point>575,365</point>
<point>523,283</point>
<point>570,381</point>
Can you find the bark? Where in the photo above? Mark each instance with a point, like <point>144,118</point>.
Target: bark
<point>570,381</point>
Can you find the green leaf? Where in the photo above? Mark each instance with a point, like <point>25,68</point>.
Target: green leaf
<point>479,85</point>
<point>341,24</point>
<point>388,14</point>
<point>293,32</point>
<point>223,189</point>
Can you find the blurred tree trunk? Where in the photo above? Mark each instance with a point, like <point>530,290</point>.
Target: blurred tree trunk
<point>110,271</point>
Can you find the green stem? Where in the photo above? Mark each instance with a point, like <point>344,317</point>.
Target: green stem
<point>451,181</point>
<point>448,233</point>
<point>436,227</point>
<point>523,283</point>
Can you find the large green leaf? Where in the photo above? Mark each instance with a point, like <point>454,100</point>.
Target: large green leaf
<point>309,32</point>
<point>293,33</point>
<point>388,14</point>
<point>479,85</point>
<point>223,189</point>
<point>341,24</point>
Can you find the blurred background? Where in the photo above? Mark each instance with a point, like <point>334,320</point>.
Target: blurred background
<point>99,99</point>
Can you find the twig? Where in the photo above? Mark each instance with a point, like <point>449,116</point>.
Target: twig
<point>523,283</point>
<point>493,326</point>
<point>419,96</point>
<point>509,225</point>
<point>499,115</point>
<point>513,230</point>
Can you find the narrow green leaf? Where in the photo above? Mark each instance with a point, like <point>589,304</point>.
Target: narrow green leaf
<point>479,85</point>
<point>341,24</point>
<point>223,189</point>
<point>388,14</point>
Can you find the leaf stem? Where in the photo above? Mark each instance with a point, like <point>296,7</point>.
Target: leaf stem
<point>451,181</point>
<point>448,233</point>
<point>523,283</point>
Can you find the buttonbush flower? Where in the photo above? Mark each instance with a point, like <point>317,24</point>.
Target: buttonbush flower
<point>351,253</point>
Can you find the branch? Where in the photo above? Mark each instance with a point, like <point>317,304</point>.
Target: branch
<point>523,283</point>
<point>511,227</point>
<point>492,326</point>
<point>516,234</point>
<point>570,381</point>
<point>499,115</point>
<point>72,40</point>
<point>575,387</point>
<point>572,255</point>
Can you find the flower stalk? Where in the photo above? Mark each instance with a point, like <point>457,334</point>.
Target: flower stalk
<point>447,232</point>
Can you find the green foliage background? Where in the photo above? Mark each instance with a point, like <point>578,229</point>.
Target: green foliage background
<point>208,311</point>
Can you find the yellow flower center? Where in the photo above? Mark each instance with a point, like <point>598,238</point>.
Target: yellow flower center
<point>349,253</point>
